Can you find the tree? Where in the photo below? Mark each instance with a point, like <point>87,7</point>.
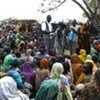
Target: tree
<point>91,9</point>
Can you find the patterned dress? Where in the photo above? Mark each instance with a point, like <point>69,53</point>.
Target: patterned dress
<point>91,91</point>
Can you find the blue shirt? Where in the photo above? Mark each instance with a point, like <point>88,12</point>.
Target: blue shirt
<point>14,73</point>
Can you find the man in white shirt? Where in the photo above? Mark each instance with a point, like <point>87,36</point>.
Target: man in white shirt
<point>46,27</point>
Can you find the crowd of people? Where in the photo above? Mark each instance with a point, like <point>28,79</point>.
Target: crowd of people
<point>34,62</point>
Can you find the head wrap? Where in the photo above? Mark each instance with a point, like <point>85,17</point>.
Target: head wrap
<point>57,70</point>
<point>75,59</point>
<point>82,55</point>
<point>28,71</point>
<point>44,63</point>
<point>88,57</point>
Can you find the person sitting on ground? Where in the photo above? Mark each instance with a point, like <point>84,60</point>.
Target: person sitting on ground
<point>7,59</point>
<point>76,65</point>
<point>14,72</point>
<point>91,90</point>
<point>9,90</point>
<point>87,73</point>
<point>42,72</point>
<point>28,71</point>
<point>63,84</point>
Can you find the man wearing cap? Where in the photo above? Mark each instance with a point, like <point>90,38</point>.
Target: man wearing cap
<point>42,54</point>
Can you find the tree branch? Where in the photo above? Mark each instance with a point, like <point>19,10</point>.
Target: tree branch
<point>95,10</point>
<point>44,11</point>
<point>88,7</point>
<point>86,12</point>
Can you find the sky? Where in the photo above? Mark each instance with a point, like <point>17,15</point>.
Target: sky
<point>27,9</point>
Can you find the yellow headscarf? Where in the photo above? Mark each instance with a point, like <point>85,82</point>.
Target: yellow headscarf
<point>82,55</point>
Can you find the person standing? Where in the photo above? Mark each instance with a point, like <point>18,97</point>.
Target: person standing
<point>59,38</point>
<point>46,27</point>
<point>76,31</point>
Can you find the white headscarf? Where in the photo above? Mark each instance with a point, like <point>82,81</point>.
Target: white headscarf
<point>9,91</point>
<point>88,57</point>
<point>57,70</point>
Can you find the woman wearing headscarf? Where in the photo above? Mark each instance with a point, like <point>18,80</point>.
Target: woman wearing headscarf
<point>7,59</point>
<point>42,73</point>
<point>29,74</point>
<point>9,91</point>
<point>82,55</point>
<point>28,71</point>
<point>76,66</point>
<point>14,72</point>
<point>62,81</point>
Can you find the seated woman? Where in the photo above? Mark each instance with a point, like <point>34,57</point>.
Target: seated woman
<point>62,81</point>
<point>28,71</point>
<point>29,74</point>
<point>91,90</point>
<point>42,73</point>
<point>14,72</point>
<point>9,91</point>
<point>76,64</point>
<point>87,73</point>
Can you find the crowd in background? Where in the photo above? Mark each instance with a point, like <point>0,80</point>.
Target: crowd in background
<point>32,68</point>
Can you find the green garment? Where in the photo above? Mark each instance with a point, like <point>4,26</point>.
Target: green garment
<point>48,90</point>
<point>92,50</point>
<point>17,40</point>
<point>7,59</point>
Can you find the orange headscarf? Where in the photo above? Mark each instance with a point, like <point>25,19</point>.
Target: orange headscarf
<point>75,59</point>
<point>44,63</point>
